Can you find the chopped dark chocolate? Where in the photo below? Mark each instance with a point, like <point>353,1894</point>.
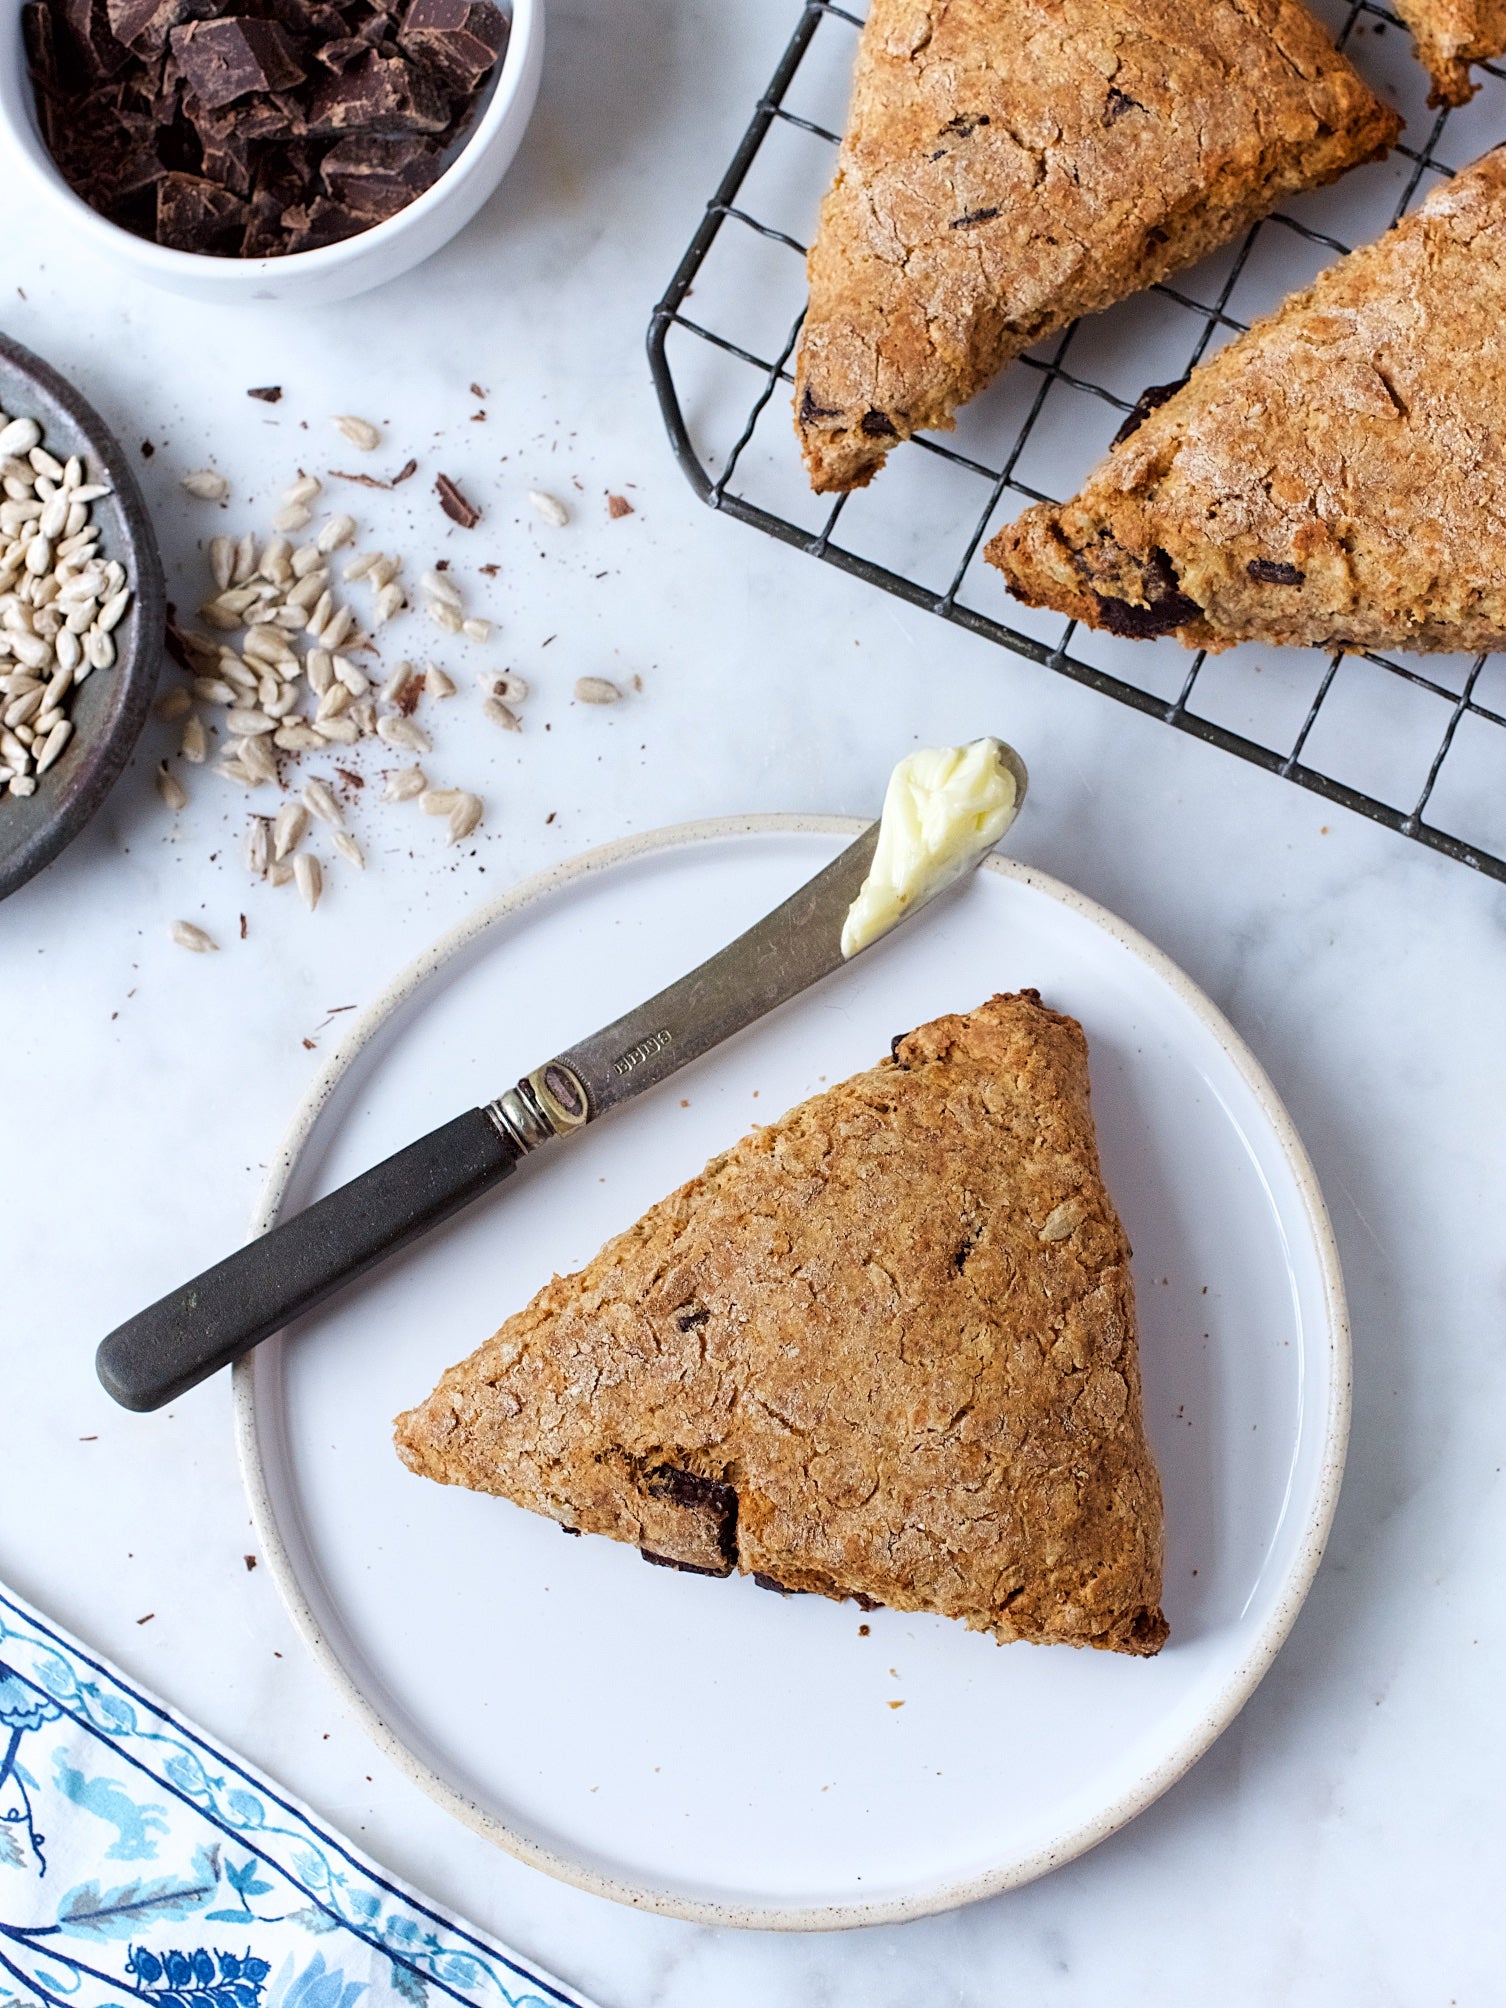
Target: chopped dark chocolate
<point>269,393</point>
<point>194,214</point>
<point>459,39</point>
<point>1275,572</point>
<point>380,94</point>
<point>256,128</point>
<point>454,504</point>
<point>229,59</point>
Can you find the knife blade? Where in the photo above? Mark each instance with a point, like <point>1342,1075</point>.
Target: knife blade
<point>222,1314</point>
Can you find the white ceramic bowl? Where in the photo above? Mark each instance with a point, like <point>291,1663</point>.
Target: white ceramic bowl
<point>309,278</point>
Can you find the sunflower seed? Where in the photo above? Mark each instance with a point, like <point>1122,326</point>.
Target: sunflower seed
<point>245,567</point>
<point>439,586</point>
<point>596,690</point>
<point>99,650</point>
<point>319,667</point>
<point>403,783</point>
<point>337,632</point>
<point>277,561</point>
<point>213,690</point>
<point>307,558</point>
<point>439,801</point>
<point>403,732</point>
<point>391,600</point>
<point>464,817</point>
<point>348,848</point>
<point>23,784</point>
<point>339,731</point>
<point>257,758</point>
<point>297,737</point>
<point>320,614</point>
<point>359,431</point>
<point>361,565</point>
<point>19,436</point>
<point>222,560</point>
<point>174,704</point>
<point>502,714</point>
<point>436,682</point>
<point>248,724</point>
<point>444,616</point>
<point>384,570</point>
<point>170,788</point>
<point>195,742</point>
<point>280,874</point>
<point>304,489</point>
<point>549,507</point>
<point>476,629</point>
<point>258,846</point>
<point>337,531</point>
<point>309,878</point>
<point>319,797</point>
<point>205,485</point>
<point>188,936</point>
<point>295,516</point>
<point>292,821</point>
<point>57,739</point>
<point>110,613</point>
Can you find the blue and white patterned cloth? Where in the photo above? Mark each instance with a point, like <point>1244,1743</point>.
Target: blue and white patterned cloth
<point>142,1866</point>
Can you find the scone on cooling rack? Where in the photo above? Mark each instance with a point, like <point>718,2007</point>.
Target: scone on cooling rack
<point>1011,164</point>
<point>1334,477</point>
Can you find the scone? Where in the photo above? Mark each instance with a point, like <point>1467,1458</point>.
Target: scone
<point>884,1349</point>
<point>1334,477</point>
<point>1011,164</point>
<point>1450,35</point>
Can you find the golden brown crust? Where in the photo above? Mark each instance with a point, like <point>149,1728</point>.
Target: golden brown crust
<point>1011,164</point>
<point>1450,35</point>
<point>884,1348</point>
<point>1333,476</point>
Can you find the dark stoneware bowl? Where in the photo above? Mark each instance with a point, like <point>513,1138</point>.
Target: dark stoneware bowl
<point>110,708</point>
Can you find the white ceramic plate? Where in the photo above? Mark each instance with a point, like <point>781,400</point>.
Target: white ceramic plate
<point>702,1747</point>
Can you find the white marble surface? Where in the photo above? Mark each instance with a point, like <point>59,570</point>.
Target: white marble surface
<point>1343,1842</point>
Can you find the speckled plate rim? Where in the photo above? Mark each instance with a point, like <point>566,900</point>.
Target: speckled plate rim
<point>1331,1344</point>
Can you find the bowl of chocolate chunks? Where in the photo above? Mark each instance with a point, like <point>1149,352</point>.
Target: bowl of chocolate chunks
<point>293,150</point>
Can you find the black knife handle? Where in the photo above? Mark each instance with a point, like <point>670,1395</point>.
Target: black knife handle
<point>194,1331</point>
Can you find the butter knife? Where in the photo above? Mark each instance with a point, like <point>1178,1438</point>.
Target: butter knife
<point>206,1324</point>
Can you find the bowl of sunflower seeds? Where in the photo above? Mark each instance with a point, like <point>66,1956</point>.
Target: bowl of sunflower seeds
<point>81,613</point>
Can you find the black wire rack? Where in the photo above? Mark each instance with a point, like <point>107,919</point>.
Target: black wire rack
<point>1417,743</point>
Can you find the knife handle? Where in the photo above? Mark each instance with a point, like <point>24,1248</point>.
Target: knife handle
<point>194,1331</point>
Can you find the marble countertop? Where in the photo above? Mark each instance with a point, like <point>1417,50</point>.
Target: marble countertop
<point>1342,1842</point>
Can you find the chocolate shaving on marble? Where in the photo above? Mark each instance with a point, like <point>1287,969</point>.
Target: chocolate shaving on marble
<point>256,128</point>
<point>454,504</point>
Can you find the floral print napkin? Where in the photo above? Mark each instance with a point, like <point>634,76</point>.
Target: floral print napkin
<point>143,1866</point>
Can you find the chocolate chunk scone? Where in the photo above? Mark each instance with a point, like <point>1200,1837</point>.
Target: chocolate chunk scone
<point>1011,164</point>
<point>1450,35</point>
<point>883,1349</point>
<point>1334,476</point>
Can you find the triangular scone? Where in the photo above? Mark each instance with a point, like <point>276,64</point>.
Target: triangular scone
<point>1335,476</point>
<point>883,1349</point>
<point>1011,164</point>
<point>1450,35</point>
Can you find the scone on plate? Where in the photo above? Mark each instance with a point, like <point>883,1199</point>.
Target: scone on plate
<point>883,1349</point>
<point>1011,164</point>
<point>1334,477</point>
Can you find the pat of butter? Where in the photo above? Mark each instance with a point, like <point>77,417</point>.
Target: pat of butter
<point>944,808</point>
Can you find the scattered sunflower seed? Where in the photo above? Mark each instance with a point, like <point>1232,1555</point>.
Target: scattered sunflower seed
<point>506,684</point>
<point>194,745</point>
<point>170,788</point>
<point>440,586</point>
<point>258,846</point>
<point>174,704</point>
<point>445,616</point>
<point>304,489</point>
<point>349,849</point>
<point>549,507</point>
<point>320,799</point>
<point>596,690</point>
<point>502,714</point>
<point>464,817</point>
<point>309,878</point>
<point>292,821</point>
<point>205,485</point>
<point>222,560</point>
<point>403,783</point>
<point>295,516</point>
<point>280,873</point>
<point>476,629</point>
<point>437,682</point>
<point>359,431</point>
<point>403,732</point>
<point>188,936</point>
<point>439,801</point>
<point>337,531</point>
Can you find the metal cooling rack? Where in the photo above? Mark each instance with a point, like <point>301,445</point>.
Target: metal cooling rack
<point>1419,744</point>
